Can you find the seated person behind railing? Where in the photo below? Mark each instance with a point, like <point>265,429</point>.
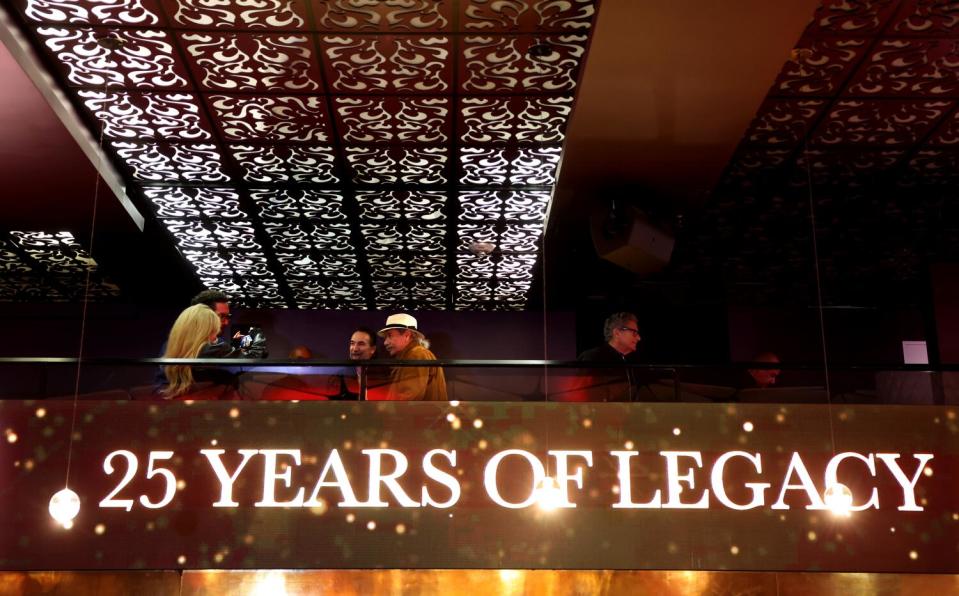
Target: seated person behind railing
<point>763,378</point>
<point>194,335</point>
<point>403,341</point>
<point>354,381</point>
<point>621,332</point>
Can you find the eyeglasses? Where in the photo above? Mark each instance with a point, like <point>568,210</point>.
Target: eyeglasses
<point>635,331</point>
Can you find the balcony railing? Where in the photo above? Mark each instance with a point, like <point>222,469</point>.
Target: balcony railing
<point>486,380</point>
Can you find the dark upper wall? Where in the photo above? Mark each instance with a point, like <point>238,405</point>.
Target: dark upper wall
<point>138,332</point>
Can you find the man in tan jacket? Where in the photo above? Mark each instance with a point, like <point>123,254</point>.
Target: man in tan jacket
<point>403,341</point>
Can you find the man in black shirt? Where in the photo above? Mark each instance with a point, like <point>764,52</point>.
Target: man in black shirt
<point>621,332</point>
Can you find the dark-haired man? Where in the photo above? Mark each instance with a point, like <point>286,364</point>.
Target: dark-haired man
<point>248,345</point>
<point>355,381</point>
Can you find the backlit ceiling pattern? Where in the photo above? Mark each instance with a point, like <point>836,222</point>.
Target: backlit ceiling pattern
<point>333,153</point>
<point>48,266</point>
<point>866,110</point>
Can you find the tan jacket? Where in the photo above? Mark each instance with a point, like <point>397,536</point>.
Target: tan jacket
<point>409,383</point>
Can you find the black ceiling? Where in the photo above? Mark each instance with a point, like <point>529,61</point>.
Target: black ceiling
<point>861,132</point>
<point>332,153</point>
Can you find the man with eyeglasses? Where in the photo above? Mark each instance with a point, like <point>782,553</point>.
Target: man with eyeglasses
<point>622,335</point>
<point>621,332</point>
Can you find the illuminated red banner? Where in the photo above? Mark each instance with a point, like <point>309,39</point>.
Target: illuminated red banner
<point>474,485</point>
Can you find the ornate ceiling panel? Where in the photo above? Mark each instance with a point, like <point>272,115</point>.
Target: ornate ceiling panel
<point>48,266</point>
<point>865,110</point>
<point>334,153</point>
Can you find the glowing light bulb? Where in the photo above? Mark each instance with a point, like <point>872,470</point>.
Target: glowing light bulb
<point>548,495</point>
<point>64,506</point>
<point>838,499</point>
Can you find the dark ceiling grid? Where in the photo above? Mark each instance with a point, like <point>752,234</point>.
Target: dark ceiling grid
<point>349,207</point>
<point>267,290</point>
<point>248,105</point>
<point>869,97</point>
<point>51,266</point>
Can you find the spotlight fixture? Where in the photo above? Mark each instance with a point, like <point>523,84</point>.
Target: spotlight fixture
<point>482,249</point>
<point>111,41</point>
<point>539,50</point>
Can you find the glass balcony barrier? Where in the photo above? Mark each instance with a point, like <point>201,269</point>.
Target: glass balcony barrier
<point>477,380</point>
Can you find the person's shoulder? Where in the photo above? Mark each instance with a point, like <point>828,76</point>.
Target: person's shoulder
<point>597,354</point>
<point>420,353</point>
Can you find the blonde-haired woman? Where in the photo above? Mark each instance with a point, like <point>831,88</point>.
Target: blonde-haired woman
<point>194,331</point>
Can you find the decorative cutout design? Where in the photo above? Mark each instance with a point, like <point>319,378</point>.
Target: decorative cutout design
<point>910,67</point>
<point>285,164</point>
<point>751,163</point>
<point>333,293</point>
<point>402,294</point>
<point>252,14</point>
<point>303,265</point>
<point>933,167</point>
<point>288,204</point>
<point>851,17</point>
<point>822,67</point>
<point>511,238</point>
<point>249,292</point>
<point>226,264</point>
<point>394,204</point>
<point>516,266</point>
<point>473,293</point>
<point>172,163</point>
<point>144,60</point>
<point>58,253</point>
<point>147,116</point>
<point>388,64</point>
<point>527,15</point>
<point>385,15</point>
<point>511,205</point>
<point>415,265</point>
<point>413,237</point>
<point>927,18</point>
<point>427,292</point>
<point>512,292</point>
<point>521,120</point>
<point>499,166</point>
<point>393,119</point>
<point>252,62</point>
<point>93,12</point>
<point>292,236</point>
<point>276,134</point>
<point>375,165</point>
<point>276,118</point>
<point>503,64</point>
<point>947,133</point>
<point>197,235</point>
<point>194,203</point>
<point>11,263</point>
<point>40,266</point>
<point>783,123</point>
<point>851,168</point>
<point>886,123</point>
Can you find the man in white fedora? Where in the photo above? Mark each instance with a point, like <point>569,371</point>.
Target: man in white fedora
<point>403,340</point>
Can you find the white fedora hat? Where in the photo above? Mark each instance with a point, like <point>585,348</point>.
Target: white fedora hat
<point>399,321</point>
